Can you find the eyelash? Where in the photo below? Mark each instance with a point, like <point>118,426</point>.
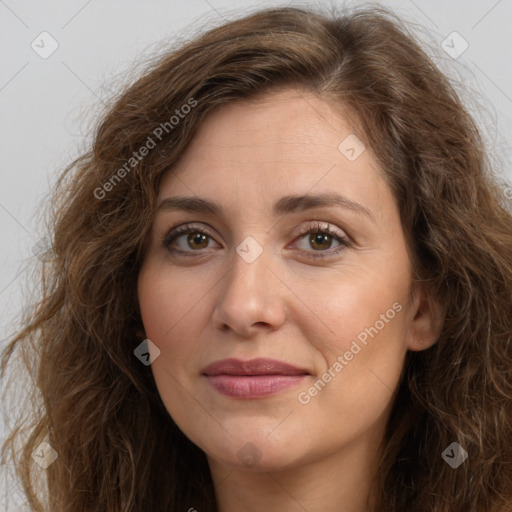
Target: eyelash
<point>317,228</point>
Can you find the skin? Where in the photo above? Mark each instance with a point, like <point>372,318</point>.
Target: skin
<point>213,305</point>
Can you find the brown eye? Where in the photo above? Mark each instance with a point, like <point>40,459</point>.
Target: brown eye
<point>196,239</point>
<point>320,238</point>
<point>320,241</point>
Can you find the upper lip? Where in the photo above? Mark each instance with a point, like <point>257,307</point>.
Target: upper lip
<point>260,366</point>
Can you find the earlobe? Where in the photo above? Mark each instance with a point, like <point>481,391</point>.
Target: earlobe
<point>426,318</point>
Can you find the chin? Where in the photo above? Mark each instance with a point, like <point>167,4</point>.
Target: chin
<point>251,457</point>
<point>255,452</point>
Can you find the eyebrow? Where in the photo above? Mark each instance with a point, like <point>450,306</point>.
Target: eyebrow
<point>287,204</point>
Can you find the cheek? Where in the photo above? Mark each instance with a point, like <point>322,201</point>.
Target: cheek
<point>167,302</point>
<point>167,315</point>
<point>360,372</point>
<point>174,312</point>
<point>359,336</point>
<point>358,307</point>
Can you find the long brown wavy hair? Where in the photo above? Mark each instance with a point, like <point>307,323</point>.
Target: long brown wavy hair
<point>93,401</point>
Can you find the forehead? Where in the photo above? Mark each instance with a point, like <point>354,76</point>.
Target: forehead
<point>282,124</point>
<point>286,142</point>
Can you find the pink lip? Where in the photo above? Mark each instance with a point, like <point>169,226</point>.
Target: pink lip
<point>255,378</point>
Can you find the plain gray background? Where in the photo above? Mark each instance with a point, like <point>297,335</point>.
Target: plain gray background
<point>48,105</point>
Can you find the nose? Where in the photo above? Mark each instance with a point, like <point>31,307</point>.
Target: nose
<point>250,297</point>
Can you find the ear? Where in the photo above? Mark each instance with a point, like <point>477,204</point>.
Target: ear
<point>426,318</point>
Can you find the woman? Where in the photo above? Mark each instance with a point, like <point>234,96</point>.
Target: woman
<point>280,280</point>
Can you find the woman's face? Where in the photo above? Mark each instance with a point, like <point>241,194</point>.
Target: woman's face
<point>301,261</point>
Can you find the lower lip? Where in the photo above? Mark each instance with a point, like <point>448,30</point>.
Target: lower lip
<point>253,386</point>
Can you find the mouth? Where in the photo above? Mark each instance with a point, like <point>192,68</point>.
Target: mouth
<point>252,379</point>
